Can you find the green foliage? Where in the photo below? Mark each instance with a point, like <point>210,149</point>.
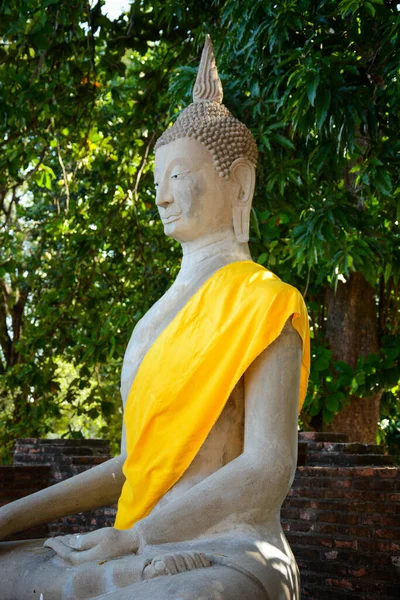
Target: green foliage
<point>325,78</point>
<point>332,383</point>
<point>82,253</point>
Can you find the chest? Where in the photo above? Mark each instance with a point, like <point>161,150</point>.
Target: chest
<point>148,329</point>
<point>225,440</point>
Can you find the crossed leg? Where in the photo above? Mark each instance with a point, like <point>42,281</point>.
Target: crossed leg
<point>188,571</point>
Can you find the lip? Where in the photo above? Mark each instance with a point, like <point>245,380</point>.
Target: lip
<point>171,219</point>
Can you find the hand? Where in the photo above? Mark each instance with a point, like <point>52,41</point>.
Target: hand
<point>101,545</point>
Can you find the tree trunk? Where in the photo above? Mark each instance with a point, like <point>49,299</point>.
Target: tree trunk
<point>352,331</point>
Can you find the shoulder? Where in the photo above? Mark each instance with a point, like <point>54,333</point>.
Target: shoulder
<point>249,282</point>
<point>271,283</point>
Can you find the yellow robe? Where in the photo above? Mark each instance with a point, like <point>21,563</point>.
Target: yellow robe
<point>188,374</point>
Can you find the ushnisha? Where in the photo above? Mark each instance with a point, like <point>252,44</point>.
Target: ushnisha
<point>210,122</point>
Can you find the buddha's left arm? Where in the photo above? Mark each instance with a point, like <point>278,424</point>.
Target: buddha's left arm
<point>251,488</point>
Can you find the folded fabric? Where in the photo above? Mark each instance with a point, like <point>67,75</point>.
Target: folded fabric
<point>188,374</point>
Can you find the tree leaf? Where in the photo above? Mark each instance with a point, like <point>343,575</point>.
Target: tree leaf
<point>312,81</point>
<point>322,106</point>
<point>327,415</point>
<point>332,404</point>
<point>283,141</point>
<point>262,258</point>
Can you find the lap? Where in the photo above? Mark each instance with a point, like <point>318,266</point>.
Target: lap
<point>238,570</point>
<point>215,583</point>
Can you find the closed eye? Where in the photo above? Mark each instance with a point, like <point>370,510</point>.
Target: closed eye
<point>178,175</point>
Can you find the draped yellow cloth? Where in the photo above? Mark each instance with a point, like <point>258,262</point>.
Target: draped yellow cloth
<point>188,374</point>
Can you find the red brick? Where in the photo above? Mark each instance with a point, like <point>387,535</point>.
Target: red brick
<point>388,547</point>
<point>358,572</point>
<point>385,520</point>
<point>372,507</point>
<point>382,573</point>
<point>390,521</point>
<point>309,554</point>
<point>387,472</point>
<point>326,593</point>
<point>352,544</point>
<point>289,513</point>
<point>342,483</point>
<point>307,515</point>
<point>369,519</point>
<point>388,534</point>
<point>327,517</point>
<point>332,568</point>
<point>326,542</point>
<point>296,537</point>
<point>294,502</point>
<point>337,517</point>
<point>307,493</point>
<point>299,525</point>
<point>324,528</point>
<point>359,531</point>
<point>378,483</point>
<point>320,471</point>
<point>380,560</point>
<point>373,496</point>
<point>393,497</point>
<point>366,472</point>
<point>369,546</point>
<point>341,583</point>
<point>332,504</point>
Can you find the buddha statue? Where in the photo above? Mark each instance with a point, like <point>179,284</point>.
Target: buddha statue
<point>212,381</point>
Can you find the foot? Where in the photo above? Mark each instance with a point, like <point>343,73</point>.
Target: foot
<point>172,564</point>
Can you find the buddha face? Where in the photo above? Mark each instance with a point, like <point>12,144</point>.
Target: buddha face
<point>192,199</point>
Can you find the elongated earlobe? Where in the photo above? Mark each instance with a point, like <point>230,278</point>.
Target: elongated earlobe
<point>242,171</point>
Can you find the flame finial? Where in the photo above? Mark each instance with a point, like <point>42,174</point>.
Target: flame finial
<point>208,84</point>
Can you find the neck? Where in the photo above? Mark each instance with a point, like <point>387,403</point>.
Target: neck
<point>214,248</point>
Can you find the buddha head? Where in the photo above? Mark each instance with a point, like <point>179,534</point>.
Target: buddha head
<point>205,165</point>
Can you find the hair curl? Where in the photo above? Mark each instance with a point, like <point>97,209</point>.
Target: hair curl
<point>212,124</point>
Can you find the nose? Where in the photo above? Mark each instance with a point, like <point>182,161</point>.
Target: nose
<point>164,195</point>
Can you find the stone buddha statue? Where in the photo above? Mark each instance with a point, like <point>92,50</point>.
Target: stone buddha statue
<point>211,384</point>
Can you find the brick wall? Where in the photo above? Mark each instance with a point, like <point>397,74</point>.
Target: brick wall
<point>341,517</point>
<point>65,457</point>
<point>17,482</point>
<point>342,520</point>
<point>39,463</point>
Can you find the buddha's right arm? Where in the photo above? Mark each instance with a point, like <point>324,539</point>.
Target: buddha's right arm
<point>97,487</point>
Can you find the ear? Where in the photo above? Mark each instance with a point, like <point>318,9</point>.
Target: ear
<point>243,173</point>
